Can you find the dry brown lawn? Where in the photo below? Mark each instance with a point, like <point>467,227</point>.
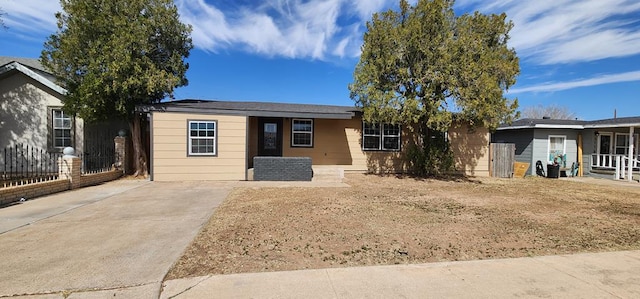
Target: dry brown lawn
<point>396,220</point>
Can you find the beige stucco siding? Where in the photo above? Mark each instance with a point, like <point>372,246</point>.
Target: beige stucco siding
<point>170,153</point>
<point>470,150</point>
<point>24,104</point>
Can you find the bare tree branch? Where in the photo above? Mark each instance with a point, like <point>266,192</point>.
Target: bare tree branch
<point>552,111</point>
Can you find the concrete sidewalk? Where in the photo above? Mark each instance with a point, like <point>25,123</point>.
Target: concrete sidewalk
<point>591,275</point>
<point>118,239</point>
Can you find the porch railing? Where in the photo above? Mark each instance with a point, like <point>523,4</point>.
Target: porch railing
<point>609,161</point>
<point>23,164</point>
<point>622,168</point>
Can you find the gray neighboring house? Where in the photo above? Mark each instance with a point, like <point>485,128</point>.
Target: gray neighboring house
<point>604,143</point>
<point>31,112</point>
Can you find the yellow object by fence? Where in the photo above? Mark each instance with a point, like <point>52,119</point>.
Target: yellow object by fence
<point>520,169</point>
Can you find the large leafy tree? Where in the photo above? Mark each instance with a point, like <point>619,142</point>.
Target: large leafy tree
<point>422,65</point>
<point>114,55</point>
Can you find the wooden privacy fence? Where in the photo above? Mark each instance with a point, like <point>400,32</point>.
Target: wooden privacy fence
<point>503,156</point>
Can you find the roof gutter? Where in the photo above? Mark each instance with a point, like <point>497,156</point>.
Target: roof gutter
<point>546,126</point>
<point>543,126</point>
<point>623,125</point>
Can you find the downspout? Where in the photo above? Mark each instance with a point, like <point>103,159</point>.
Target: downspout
<point>246,148</point>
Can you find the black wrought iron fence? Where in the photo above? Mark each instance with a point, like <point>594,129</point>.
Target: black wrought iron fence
<point>98,160</point>
<point>23,164</point>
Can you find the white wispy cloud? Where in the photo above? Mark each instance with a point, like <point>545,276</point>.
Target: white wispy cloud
<point>569,31</point>
<point>286,28</point>
<point>366,8</point>
<point>306,29</point>
<point>546,31</point>
<point>599,80</point>
<point>30,16</point>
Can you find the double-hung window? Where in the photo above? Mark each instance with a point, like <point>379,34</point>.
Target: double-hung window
<point>557,148</point>
<point>61,128</point>
<point>302,133</point>
<point>385,137</point>
<point>202,138</point>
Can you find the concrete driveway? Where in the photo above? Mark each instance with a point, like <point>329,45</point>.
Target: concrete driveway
<point>118,239</point>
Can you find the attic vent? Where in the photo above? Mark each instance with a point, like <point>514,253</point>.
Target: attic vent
<point>546,117</point>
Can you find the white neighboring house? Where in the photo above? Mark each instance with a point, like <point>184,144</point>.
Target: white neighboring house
<point>31,108</point>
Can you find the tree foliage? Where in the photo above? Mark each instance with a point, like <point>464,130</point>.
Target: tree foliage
<point>114,55</point>
<point>552,111</point>
<point>432,158</point>
<point>422,64</point>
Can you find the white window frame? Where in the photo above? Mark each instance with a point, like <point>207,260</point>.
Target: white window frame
<point>564,146</point>
<point>365,135</point>
<point>382,137</point>
<point>293,132</point>
<point>54,128</point>
<point>192,138</point>
<point>390,136</point>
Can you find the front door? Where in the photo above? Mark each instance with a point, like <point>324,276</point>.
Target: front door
<point>270,137</point>
<point>604,144</point>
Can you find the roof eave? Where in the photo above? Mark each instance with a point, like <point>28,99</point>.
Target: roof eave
<point>547,126</point>
<point>241,112</point>
<point>33,75</point>
<point>542,126</point>
<point>623,125</point>
<point>514,128</point>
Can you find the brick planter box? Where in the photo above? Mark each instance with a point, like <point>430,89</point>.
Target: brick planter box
<point>282,169</point>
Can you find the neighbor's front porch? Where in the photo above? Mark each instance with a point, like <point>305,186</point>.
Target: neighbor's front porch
<point>616,151</point>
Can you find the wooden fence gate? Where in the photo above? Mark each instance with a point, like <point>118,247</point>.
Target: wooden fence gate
<point>503,156</point>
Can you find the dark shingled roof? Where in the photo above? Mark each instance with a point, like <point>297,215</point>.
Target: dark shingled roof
<point>254,108</point>
<point>564,123</point>
<point>535,121</point>
<point>615,121</point>
<point>32,63</point>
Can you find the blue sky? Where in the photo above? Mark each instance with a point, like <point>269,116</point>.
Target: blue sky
<point>581,54</point>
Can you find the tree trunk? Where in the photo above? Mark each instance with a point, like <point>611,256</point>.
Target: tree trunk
<point>139,153</point>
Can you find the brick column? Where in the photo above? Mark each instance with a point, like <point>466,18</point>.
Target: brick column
<point>122,149</point>
<point>70,168</point>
